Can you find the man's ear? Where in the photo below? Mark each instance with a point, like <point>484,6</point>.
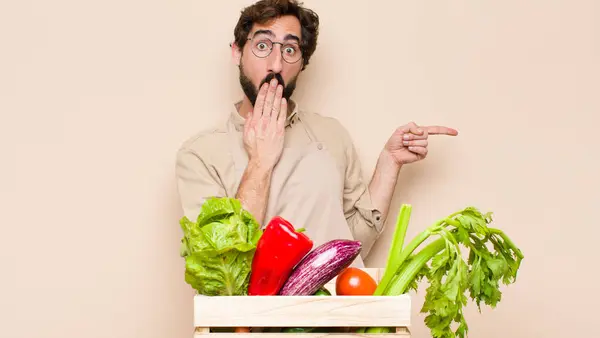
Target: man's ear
<point>236,54</point>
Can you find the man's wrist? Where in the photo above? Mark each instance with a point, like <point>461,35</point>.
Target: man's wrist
<point>259,169</point>
<point>387,160</point>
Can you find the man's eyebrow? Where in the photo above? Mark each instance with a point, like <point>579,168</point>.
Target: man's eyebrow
<point>264,31</point>
<point>292,37</point>
<point>271,34</point>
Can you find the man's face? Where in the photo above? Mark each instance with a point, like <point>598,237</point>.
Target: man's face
<point>256,70</point>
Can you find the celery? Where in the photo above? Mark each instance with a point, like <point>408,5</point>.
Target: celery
<point>449,276</point>
<point>394,259</point>
<point>413,267</point>
<point>392,271</point>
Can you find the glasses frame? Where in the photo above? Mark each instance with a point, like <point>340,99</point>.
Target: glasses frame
<point>273,43</point>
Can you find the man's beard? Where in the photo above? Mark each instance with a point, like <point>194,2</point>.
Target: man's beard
<point>252,92</point>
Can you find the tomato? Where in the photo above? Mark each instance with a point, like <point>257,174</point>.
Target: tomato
<point>354,282</point>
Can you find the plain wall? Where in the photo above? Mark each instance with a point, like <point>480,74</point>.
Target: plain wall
<point>96,97</point>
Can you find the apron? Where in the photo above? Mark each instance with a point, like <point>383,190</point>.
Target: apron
<point>306,188</point>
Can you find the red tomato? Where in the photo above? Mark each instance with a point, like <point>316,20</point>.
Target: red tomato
<point>355,282</point>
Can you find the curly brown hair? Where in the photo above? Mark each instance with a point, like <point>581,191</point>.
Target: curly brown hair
<point>263,11</point>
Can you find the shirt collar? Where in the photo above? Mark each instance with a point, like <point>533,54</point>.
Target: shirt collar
<point>239,121</point>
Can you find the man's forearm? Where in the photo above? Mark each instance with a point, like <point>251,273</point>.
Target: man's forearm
<point>253,191</point>
<point>383,183</point>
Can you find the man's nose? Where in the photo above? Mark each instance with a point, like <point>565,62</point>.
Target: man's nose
<point>275,63</point>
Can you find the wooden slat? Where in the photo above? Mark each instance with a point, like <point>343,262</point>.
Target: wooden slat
<point>308,311</point>
<point>405,334</point>
<point>403,330</point>
<point>202,330</point>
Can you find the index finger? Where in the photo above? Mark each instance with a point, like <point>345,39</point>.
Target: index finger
<point>441,130</point>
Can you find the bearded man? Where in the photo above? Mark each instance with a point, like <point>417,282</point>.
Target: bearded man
<point>279,160</point>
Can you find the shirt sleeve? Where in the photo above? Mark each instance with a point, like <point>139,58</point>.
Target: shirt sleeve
<point>197,181</point>
<point>363,218</point>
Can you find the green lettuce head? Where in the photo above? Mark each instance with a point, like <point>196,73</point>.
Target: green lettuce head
<point>219,247</point>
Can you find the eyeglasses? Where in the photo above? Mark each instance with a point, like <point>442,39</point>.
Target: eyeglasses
<point>262,47</point>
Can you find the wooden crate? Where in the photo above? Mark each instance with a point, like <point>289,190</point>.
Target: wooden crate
<point>303,311</point>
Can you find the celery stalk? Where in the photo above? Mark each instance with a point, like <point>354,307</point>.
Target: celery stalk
<point>394,267</point>
<point>397,243</point>
<point>402,280</point>
<point>412,246</point>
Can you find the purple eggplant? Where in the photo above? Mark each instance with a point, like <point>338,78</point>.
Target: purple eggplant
<point>320,266</point>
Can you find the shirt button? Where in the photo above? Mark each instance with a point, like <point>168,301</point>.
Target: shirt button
<point>319,146</point>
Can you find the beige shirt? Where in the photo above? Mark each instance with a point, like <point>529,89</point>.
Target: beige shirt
<point>318,183</point>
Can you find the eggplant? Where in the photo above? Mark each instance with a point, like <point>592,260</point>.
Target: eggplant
<point>320,266</point>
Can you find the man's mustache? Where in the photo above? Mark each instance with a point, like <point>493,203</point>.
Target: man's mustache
<point>272,76</point>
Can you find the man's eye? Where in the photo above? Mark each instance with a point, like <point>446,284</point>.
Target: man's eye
<point>290,50</point>
<point>262,46</point>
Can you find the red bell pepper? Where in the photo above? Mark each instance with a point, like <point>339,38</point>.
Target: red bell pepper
<point>278,250</point>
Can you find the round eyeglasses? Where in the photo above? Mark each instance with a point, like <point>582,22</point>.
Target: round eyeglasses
<point>262,47</point>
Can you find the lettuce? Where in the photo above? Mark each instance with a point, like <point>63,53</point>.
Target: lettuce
<point>219,247</point>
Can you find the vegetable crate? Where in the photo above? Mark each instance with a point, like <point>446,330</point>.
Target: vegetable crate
<point>345,313</point>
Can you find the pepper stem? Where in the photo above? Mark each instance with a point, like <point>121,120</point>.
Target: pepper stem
<point>300,230</point>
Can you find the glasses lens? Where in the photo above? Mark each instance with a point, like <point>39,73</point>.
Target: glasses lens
<point>291,53</point>
<point>261,46</point>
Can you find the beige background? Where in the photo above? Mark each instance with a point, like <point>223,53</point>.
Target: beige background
<point>95,98</point>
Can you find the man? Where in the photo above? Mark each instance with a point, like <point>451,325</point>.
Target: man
<point>280,160</point>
